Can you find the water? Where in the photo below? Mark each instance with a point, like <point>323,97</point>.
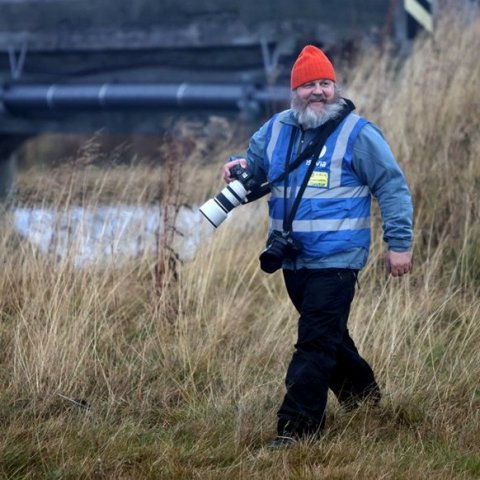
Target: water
<point>108,233</point>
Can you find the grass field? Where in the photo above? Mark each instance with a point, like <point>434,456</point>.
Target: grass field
<point>164,370</point>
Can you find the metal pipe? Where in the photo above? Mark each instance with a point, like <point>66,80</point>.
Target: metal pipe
<point>21,98</point>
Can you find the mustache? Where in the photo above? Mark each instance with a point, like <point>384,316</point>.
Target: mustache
<point>315,98</point>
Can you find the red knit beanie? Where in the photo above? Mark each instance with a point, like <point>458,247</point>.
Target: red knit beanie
<point>311,64</point>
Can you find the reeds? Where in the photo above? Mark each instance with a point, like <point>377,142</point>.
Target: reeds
<point>104,375</point>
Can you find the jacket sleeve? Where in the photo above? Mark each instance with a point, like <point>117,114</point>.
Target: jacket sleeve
<point>256,162</point>
<point>375,165</point>
<point>256,154</point>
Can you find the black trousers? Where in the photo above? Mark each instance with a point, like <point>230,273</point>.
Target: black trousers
<point>325,355</point>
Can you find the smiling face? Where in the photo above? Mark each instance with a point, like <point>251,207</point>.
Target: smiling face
<point>316,94</point>
<point>316,102</point>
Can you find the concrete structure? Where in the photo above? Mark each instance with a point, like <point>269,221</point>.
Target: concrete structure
<point>248,44</point>
<point>82,65</point>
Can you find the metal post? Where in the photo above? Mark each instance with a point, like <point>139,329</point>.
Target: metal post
<point>419,15</point>
<point>8,168</point>
<point>8,164</point>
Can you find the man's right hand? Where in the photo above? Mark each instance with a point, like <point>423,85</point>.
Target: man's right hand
<point>398,263</point>
<point>229,165</point>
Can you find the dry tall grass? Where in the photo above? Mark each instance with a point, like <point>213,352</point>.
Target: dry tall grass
<point>103,375</point>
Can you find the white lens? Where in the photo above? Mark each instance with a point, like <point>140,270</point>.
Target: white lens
<point>213,212</point>
<point>235,193</point>
<point>216,209</point>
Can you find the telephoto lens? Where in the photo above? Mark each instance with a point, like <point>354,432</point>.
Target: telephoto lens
<point>217,208</point>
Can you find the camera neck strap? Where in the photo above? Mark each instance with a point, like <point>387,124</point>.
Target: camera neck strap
<point>325,131</point>
<point>313,149</point>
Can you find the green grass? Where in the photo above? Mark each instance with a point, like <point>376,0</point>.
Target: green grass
<point>115,372</point>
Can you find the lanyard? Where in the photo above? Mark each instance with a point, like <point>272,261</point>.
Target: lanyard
<point>313,149</point>
<point>325,131</point>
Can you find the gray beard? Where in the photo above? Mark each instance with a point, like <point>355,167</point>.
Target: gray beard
<point>308,118</point>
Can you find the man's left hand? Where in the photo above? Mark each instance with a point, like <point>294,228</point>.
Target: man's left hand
<point>399,263</point>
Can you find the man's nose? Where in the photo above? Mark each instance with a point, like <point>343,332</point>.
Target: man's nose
<point>317,89</point>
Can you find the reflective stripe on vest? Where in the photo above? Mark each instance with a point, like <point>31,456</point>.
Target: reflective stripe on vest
<point>336,224</point>
<point>312,192</point>
<point>333,217</point>
<point>275,132</point>
<point>340,150</point>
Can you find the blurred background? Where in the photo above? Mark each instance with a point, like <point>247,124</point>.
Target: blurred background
<point>71,68</point>
<point>138,342</point>
<point>147,99</point>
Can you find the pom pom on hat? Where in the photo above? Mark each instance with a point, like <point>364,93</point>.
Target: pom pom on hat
<point>311,64</point>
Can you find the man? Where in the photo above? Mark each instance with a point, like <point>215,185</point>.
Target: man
<point>332,226</point>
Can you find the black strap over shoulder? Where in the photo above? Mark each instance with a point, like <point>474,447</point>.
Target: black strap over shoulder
<point>313,150</point>
<point>328,128</point>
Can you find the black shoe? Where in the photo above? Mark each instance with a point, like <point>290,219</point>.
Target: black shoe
<point>281,442</point>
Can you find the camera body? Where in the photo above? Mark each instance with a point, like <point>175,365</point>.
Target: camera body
<point>217,208</point>
<point>244,176</point>
<point>280,246</point>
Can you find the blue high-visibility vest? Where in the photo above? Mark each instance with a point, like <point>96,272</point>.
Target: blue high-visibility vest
<point>334,213</point>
